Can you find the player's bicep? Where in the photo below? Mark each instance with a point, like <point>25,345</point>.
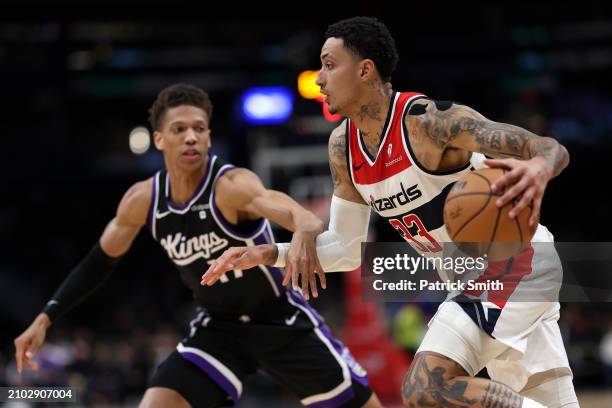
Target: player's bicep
<point>131,215</point>
<point>343,185</point>
<point>449,124</point>
<point>238,189</point>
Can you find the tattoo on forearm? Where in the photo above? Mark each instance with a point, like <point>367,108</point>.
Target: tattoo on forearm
<point>427,387</point>
<point>551,151</point>
<point>500,396</point>
<point>491,138</point>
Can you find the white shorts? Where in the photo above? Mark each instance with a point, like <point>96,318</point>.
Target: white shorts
<point>454,334</point>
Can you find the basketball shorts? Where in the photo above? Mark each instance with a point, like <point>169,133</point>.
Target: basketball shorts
<point>209,367</point>
<point>454,334</point>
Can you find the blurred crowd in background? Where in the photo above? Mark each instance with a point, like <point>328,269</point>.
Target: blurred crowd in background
<point>74,89</point>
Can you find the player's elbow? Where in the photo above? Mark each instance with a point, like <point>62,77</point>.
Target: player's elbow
<point>565,156</point>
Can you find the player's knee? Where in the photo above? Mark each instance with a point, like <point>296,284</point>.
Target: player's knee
<point>159,397</point>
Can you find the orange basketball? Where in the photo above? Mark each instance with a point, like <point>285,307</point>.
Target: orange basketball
<point>474,221</point>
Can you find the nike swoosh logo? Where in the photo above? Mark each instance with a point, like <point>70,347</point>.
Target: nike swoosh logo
<point>356,168</point>
<point>291,320</point>
<point>160,215</point>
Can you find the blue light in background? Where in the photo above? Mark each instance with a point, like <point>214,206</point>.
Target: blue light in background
<point>270,105</point>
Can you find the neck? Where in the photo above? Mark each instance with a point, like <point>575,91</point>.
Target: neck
<point>372,110</point>
<point>183,184</point>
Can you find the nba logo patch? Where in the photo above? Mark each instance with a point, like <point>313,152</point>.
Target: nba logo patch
<point>389,150</point>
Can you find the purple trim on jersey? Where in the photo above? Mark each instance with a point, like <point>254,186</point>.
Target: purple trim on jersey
<point>346,355</point>
<point>336,401</point>
<point>299,299</point>
<point>277,275</point>
<point>151,214</point>
<point>197,191</point>
<point>213,373</point>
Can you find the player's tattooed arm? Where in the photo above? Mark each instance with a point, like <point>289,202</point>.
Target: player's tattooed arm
<point>428,383</point>
<point>343,186</point>
<point>530,161</point>
<point>448,124</point>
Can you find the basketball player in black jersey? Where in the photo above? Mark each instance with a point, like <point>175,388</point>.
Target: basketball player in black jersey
<point>358,58</point>
<point>197,207</point>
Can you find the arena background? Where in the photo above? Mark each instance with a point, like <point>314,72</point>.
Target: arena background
<point>76,79</point>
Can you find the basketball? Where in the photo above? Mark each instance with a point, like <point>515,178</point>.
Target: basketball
<point>477,225</point>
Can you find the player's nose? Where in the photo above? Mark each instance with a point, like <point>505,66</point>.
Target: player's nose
<point>319,80</point>
<point>190,136</point>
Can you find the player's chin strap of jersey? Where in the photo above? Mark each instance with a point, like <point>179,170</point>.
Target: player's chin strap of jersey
<point>339,248</point>
<point>85,278</point>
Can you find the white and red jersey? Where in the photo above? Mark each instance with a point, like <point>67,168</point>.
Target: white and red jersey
<point>396,186</point>
<point>411,198</point>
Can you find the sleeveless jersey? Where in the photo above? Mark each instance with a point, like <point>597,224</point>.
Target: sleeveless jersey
<point>196,233</point>
<point>411,198</point>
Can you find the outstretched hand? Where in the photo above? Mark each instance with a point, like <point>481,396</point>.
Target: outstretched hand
<point>238,258</point>
<point>28,343</point>
<point>302,262</point>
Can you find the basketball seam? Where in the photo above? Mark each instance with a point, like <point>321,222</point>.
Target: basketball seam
<point>499,211</point>
<point>473,216</point>
<point>518,225</point>
<point>489,194</point>
<point>475,193</point>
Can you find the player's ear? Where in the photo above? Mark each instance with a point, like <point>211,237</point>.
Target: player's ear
<point>366,69</point>
<point>158,140</point>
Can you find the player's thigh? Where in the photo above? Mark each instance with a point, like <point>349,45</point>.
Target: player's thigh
<point>179,382</point>
<point>454,335</point>
<point>319,369</point>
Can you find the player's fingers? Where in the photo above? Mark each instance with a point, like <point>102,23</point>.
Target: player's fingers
<point>312,278</point>
<point>535,211</point>
<point>305,282</point>
<point>288,270</point>
<point>287,277</point>
<point>499,163</point>
<point>508,178</point>
<point>513,192</point>
<point>525,200</point>
<point>294,275</point>
<point>19,356</point>
<point>321,274</point>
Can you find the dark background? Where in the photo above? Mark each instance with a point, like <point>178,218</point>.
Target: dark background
<point>77,78</point>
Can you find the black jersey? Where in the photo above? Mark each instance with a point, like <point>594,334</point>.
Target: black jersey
<point>196,233</point>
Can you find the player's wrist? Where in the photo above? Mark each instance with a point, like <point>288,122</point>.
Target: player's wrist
<point>311,228</point>
<point>43,320</point>
<point>280,254</point>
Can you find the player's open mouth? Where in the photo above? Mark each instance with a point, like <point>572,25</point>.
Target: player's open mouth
<point>191,154</point>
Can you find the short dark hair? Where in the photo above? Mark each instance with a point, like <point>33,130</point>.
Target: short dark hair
<point>177,95</point>
<point>368,38</point>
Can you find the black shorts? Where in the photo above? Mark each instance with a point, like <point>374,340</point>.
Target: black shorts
<point>210,366</point>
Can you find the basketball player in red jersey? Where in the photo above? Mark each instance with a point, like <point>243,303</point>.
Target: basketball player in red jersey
<point>399,153</point>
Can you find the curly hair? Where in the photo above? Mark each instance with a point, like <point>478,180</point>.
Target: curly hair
<point>368,38</point>
<point>177,95</point>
